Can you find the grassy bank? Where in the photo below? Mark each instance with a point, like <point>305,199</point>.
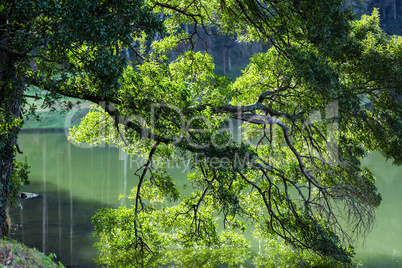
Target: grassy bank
<point>56,119</point>
<point>14,254</point>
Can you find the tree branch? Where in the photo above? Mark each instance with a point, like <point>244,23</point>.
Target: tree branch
<point>137,197</point>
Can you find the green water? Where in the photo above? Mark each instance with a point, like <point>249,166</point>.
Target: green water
<point>383,246</point>
<point>73,183</point>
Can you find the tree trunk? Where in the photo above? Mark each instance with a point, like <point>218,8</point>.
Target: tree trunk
<point>223,61</point>
<point>382,8</point>
<point>127,54</point>
<point>6,169</point>
<point>394,10</point>
<point>10,103</point>
<point>229,60</point>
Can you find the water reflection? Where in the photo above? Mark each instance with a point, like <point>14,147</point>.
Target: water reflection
<point>383,246</point>
<point>55,223</point>
<point>73,183</point>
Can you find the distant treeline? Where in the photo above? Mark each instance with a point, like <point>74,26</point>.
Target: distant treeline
<point>390,13</point>
<point>231,56</point>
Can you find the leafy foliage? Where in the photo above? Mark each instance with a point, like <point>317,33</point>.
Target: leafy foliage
<point>324,94</point>
<point>19,178</point>
<point>53,45</point>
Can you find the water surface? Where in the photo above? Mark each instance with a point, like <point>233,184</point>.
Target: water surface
<point>73,183</point>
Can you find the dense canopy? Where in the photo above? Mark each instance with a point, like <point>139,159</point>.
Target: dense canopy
<point>324,93</point>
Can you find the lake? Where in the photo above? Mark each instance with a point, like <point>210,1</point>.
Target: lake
<point>74,182</point>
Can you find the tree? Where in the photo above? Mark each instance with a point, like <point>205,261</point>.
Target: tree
<point>48,41</point>
<point>317,101</point>
<point>390,11</point>
<point>323,95</point>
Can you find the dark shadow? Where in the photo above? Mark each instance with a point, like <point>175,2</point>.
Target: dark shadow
<point>56,222</point>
